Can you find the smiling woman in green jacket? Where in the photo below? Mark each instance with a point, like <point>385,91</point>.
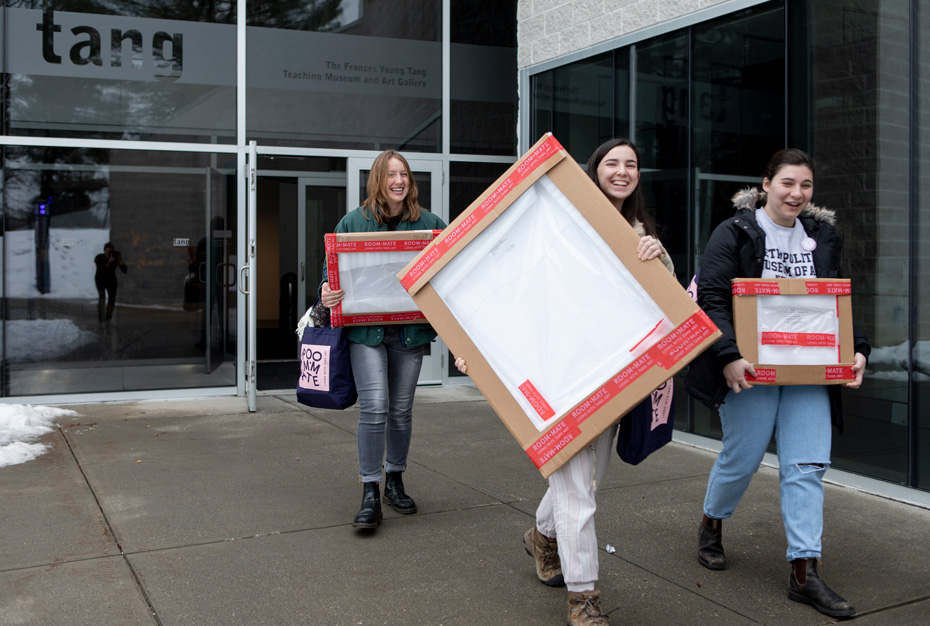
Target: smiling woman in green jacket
<point>386,360</point>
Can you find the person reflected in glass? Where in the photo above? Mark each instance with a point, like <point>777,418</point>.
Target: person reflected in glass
<point>105,279</point>
<point>563,542</point>
<point>386,360</point>
<point>776,232</point>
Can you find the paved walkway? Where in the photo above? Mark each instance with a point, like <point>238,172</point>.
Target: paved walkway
<point>198,512</point>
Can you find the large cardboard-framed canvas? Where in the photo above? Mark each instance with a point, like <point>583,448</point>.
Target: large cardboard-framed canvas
<point>539,287</point>
<point>365,265</point>
<point>795,331</point>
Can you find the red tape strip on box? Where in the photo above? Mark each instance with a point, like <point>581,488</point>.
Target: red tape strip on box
<point>756,288</point>
<point>440,247</point>
<point>839,372</point>
<point>552,442</point>
<point>381,317</point>
<point>806,340</point>
<point>763,375</point>
<point>665,354</point>
<point>830,288</point>
<point>332,277</point>
<point>536,399</point>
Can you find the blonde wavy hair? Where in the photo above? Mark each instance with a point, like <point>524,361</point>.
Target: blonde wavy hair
<point>377,201</point>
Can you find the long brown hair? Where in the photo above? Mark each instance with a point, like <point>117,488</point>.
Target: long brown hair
<point>634,207</point>
<point>377,201</point>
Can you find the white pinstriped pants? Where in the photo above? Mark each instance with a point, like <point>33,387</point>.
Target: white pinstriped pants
<point>567,511</point>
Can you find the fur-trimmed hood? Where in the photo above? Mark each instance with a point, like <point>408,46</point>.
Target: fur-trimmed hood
<point>754,198</point>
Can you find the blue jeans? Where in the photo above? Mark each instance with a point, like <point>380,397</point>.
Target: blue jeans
<point>800,418</point>
<point>386,378</point>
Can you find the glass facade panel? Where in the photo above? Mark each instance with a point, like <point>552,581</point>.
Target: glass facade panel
<point>738,72</point>
<point>158,311</point>
<point>484,63</point>
<point>346,74</point>
<point>576,103</point>
<point>920,314</point>
<point>860,139</point>
<point>661,134</point>
<point>144,71</point>
<point>710,109</point>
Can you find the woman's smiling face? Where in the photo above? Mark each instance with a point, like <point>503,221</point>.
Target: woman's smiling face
<point>618,174</point>
<point>788,194</point>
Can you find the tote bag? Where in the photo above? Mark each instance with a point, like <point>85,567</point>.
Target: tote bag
<point>326,380</point>
<point>648,426</point>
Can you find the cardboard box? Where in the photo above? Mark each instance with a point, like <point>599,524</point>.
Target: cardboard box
<point>795,331</point>
<point>366,265</point>
<point>539,287</point>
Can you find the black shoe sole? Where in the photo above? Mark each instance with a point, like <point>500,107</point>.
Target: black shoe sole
<point>802,599</point>
<point>710,566</point>
<point>368,524</point>
<point>399,510</point>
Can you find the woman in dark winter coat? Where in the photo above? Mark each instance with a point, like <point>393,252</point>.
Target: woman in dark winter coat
<point>775,233</point>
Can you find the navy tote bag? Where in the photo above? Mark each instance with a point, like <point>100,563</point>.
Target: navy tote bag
<point>326,380</point>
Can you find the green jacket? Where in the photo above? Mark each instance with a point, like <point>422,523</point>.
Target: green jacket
<point>359,221</point>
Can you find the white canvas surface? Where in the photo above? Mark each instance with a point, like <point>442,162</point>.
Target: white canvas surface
<point>544,299</point>
<point>797,314</point>
<point>370,282</point>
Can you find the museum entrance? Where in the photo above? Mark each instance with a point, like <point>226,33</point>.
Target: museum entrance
<point>298,200</point>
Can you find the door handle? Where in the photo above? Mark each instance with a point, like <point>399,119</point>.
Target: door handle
<point>242,279</point>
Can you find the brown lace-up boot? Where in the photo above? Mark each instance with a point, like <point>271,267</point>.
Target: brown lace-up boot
<point>584,609</point>
<point>545,552</point>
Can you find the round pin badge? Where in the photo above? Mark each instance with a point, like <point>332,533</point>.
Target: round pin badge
<point>809,244</point>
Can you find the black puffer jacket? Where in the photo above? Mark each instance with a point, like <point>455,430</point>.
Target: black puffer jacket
<point>736,250</point>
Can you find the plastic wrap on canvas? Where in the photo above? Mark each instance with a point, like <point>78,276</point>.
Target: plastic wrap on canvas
<point>546,337</point>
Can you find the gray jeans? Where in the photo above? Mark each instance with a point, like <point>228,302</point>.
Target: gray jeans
<point>386,378</point>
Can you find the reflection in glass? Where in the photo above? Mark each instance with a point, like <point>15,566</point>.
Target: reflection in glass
<point>173,322</point>
<point>739,114</point>
<point>859,140</point>
<point>662,110</point>
<point>145,72</point>
<point>484,64</point>
<point>920,411</point>
<point>369,78</point>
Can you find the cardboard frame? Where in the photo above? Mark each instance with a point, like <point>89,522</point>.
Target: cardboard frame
<point>405,244</point>
<point>748,297</point>
<point>605,401</point>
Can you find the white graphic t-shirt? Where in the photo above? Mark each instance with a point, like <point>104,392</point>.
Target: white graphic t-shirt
<point>788,251</point>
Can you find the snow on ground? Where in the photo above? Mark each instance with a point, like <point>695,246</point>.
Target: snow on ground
<point>43,340</point>
<point>20,425</point>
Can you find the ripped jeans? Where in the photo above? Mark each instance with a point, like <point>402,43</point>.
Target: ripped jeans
<point>799,415</point>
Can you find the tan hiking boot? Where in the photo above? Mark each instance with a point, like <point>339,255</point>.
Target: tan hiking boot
<point>545,552</point>
<point>584,609</point>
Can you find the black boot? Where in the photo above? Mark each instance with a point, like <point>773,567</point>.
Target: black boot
<point>710,544</point>
<point>395,496</point>
<point>806,586</point>
<point>370,514</point>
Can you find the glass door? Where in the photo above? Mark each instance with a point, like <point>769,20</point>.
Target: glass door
<point>430,182</point>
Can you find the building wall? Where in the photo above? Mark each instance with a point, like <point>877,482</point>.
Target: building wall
<point>547,29</point>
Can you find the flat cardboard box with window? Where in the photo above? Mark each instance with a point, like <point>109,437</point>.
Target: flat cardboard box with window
<point>795,331</point>
<point>537,285</point>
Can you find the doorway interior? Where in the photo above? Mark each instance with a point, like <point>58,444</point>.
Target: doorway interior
<point>298,201</point>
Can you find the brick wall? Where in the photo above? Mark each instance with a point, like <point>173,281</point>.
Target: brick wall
<point>547,29</point>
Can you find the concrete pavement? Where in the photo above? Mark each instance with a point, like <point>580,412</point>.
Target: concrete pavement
<point>192,512</point>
